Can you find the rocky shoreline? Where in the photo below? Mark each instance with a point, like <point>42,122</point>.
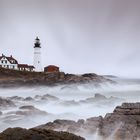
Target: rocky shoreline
<point>122,124</point>
<point>13,78</point>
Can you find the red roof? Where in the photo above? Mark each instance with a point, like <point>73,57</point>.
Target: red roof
<point>22,65</point>
<point>51,66</point>
<point>25,66</point>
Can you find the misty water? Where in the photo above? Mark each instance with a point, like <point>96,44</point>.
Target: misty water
<point>71,102</point>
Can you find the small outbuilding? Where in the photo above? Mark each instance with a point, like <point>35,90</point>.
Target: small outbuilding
<point>25,67</point>
<point>51,68</point>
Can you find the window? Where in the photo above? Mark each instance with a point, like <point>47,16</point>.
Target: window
<point>13,67</point>
<point>1,61</point>
<point>8,66</point>
<point>6,61</point>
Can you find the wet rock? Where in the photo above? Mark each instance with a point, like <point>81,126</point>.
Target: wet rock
<point>69,88</point>
<point>123,123</point>
<point>90,125</point>
<point>30,110</point>
<point>28,99</point>
<point>81,121</point>
<point>102,99</point>
<point>12,78</point>
<point>46,97</point>
<point>69,103</point>
<point>49,97</point>
<point>37,96</point>
<point>36,134</point>
<point>62,125</point>
<point>11,117</point>
<point>1,113</point>
<point>99,97</point>
<point>27,107</point>
<point>16,98</point>
<point>6,103</point>
<point>24,111</point>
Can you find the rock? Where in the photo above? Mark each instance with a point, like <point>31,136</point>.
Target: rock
<point>49,97</point>
<point>6,103</point>
<point>30,110</point>
<point>99,97</point>
<point>46,97</point>
<point>61,125</point>
<point>16,98</point>
<point>70,88</point>
<point>36,134</point>
<point>90,125</point>
<point>102,99</point>
<point>81,121</point>
<point>11,118</point>
<point>28,99</point>
<point>37,96</point>
<point>96,98</point>
<point>123,123</point>
<point>1,113</point>
<point>28,107</point>
<point>69,103</point>
<point>13,78</point>
<point>90,75</point>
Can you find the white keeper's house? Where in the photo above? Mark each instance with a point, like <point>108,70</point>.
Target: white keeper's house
<point>12,63</point>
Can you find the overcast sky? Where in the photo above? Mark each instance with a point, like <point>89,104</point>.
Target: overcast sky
<point>101,36</point>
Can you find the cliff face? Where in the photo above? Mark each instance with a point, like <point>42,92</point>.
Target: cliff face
<point>122,124</point>
<point>10,77</point>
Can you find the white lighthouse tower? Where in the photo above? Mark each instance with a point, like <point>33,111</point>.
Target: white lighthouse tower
<point>37,55</point>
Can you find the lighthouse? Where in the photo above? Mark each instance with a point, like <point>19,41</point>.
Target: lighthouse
<point>37,55</point>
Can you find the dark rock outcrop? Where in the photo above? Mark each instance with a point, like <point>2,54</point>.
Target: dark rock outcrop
<point>1,113</point>
<point>16,98</point>
<point>27,111</point>
<point>6,103</point>
<point>102,99</point>
<point>90,125</point>
<point>86,78</point>
<point>69,103</point>
<point>122,124</point>
<point>36,134</point>
<point>30,110</point>
<point>48,97</point>
<point>28,99</point>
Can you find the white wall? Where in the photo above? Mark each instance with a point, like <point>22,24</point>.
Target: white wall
<point>7,64</point>
<point>37,59</point>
